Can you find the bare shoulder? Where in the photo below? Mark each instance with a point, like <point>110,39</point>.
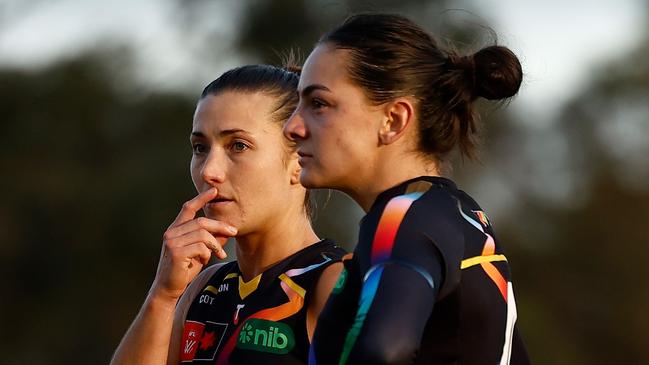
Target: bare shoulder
<point>323,288</point>
<point>328,279</point>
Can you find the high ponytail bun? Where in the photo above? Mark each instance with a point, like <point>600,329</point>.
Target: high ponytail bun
<point>390,56</point>
<point>498,73</point>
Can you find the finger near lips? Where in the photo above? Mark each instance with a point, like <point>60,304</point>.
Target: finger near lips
<point>191,207</point>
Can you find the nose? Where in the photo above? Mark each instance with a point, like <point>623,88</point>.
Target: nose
<point>294,128</point>
<point>214,169</point>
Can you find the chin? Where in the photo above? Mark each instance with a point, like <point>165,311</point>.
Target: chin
<point>311,180</point>
<point>306,179</point>
<point>223,217</point>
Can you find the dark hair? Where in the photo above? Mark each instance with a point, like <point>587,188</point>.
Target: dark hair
<point>391,56</point>
<point>277,82</point>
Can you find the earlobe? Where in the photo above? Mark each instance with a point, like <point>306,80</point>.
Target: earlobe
<point>398,115</point>
<point>295,173</point>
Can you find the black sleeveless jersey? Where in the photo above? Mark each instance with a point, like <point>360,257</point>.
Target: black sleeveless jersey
<point>262,321</point>
<point>428,283</point>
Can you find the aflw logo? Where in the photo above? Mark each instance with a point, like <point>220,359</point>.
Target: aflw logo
<point>267,336</point>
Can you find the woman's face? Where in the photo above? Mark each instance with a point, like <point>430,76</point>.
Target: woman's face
<point>335,126</point>
<point>241,151</point>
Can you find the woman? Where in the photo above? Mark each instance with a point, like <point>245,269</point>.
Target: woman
<point>263,307</point>
<point>381,106</point>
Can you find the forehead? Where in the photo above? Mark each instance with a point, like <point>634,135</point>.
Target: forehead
<point>234,109</point>
<point>326,66</point>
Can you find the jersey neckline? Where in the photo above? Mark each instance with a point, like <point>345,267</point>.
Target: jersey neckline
<point>396,190</point>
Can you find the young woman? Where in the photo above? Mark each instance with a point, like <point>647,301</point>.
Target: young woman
<point>263,307</point>
<point>381,106</point>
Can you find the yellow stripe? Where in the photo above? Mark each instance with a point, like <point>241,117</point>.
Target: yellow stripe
<point>298,289</point>
<point>230,276</point>
<point>246,289</point>
<point>211,289</point>
<point>418,187</point>
<point>481,259</point>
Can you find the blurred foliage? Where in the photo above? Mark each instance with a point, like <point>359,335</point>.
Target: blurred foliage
<point>92,178</point>
<point>95,168</point>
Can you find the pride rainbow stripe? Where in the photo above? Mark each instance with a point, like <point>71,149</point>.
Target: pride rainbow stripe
<point>382,246</point>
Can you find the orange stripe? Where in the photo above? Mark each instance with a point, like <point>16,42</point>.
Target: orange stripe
<point>489,246</point>
<point>294,304</point>
<point>496,277</point>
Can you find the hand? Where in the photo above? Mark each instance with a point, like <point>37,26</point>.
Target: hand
<point>187,246</point>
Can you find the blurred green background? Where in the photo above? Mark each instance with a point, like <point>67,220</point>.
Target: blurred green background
<point>94,157</point>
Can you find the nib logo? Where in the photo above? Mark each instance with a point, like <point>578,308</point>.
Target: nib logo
<point>267,336</point>
<point>246,333</point>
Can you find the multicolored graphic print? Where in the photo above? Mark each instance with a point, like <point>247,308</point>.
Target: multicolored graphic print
<point>428,284</point>
<point>263,322</point>
<point>295,295</point>
<point>381,251</point>
<point>505,287</point>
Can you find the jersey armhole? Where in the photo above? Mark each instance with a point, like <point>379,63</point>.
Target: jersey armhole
<point>182,308</point>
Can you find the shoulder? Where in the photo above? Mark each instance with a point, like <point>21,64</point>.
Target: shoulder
<point>423,213</point>
<point>316,301</point>
<point>315,258</point>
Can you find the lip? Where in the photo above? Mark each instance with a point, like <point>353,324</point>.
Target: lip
<point>303,158</point>
<point>217,202</point>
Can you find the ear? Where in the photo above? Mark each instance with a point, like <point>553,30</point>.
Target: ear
<point>294,169</point>
<point>399,113</point>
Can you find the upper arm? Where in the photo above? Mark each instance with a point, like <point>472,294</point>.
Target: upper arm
<point>180,314</point>
<point>399,301</point>
<point>323,288</point>
<point>400,289</point>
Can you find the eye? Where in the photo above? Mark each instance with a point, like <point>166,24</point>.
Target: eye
<point>317,103</point>
<point>238,146</point>
<point>198,148</point>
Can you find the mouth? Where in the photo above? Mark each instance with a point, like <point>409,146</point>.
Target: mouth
<point>218,202</point>
<point>303,156</point>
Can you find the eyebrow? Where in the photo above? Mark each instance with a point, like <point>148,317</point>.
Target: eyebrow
<point>223,133</point>
<point>313,87</point>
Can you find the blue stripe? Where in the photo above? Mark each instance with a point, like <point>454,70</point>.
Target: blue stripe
<point>370,287</point>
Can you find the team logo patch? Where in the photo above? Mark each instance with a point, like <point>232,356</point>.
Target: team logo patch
<point>266,336</point>
<point>201,341</point>
<point>482,217</point>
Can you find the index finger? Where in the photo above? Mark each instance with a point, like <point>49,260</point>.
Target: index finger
<point>191,207</point>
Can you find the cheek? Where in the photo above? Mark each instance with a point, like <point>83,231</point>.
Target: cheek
<point>194,171</point>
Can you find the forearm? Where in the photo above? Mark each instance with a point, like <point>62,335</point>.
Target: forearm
<point>147,339</point>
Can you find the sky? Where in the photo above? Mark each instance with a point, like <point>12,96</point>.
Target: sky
<point>560,43</point>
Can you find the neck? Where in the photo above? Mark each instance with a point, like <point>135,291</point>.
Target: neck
<point>392,170</point>
<point>257,251</point>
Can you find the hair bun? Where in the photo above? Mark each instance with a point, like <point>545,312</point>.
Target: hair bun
<point>498,73</point>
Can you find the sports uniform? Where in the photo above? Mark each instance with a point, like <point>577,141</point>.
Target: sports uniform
<point>428,284</point>
<point>262,321</point>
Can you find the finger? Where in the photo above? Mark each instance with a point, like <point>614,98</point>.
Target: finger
<point>198,236</point>
<point>196,251</point>
<point>191,207</point>
<point>217,228</point>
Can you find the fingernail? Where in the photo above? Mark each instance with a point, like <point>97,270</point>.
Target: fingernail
<point>232,230</point>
